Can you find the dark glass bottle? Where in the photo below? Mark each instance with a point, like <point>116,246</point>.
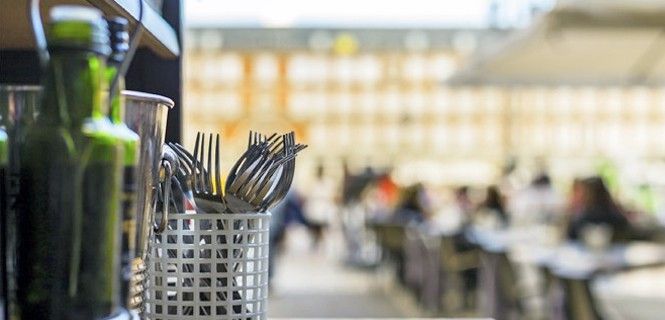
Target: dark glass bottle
<point>4,196</point>
<point>68,220</point>
<point>130,143</point>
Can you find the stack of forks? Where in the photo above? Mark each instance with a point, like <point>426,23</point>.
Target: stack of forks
<point>258,181</point>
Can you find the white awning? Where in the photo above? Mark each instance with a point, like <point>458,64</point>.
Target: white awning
<point>579,42</point>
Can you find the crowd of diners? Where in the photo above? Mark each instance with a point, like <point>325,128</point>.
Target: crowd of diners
<point>584,213</point>
<point>588,202</point>
<point>385,223</point>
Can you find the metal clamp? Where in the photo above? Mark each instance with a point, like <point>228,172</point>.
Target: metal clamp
<point>165,174</point>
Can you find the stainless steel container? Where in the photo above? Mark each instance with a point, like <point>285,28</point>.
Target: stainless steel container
<point>18,108</point>
<point>19,102</point>
<point>146,114</point>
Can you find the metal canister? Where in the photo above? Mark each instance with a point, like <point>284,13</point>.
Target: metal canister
<point>19,105</point>
<point>146,114</point>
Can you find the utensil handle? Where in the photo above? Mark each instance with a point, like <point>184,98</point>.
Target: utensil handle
<point>167,171</point>
<point>38,31</point>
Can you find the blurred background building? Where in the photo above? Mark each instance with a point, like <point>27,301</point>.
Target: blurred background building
<point>441,93</point>
<point>403,98</point>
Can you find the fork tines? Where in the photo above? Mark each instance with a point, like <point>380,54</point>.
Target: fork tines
<point>259,179</point>
<point>274,179</point>
<point>205,179</point>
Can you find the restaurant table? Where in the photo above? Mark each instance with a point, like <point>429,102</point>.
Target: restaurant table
<point>575,261</point>
<point>636,294</point>
<point>381,318</point>
<point>568,259</point>
<point>573,267</point>
<point>570,263</point>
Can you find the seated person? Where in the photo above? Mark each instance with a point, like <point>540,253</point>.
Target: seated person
<point>597,208</point>
<point>493,209</point>
<point>413,206</point>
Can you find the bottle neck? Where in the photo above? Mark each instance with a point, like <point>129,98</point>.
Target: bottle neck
<point>75,87</point>
<point>117,110</point>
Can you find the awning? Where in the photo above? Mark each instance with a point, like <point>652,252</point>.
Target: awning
<point>600,42</point>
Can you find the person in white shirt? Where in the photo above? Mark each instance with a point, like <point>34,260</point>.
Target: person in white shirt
<point>320,205</point>
<point>539,203</point>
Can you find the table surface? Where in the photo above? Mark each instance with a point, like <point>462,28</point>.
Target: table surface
<point>567,259</point>
<point>380,318</point>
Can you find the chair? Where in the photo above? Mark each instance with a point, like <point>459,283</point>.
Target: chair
<point>458,269</point>
<point>510,295</point>
<point>570,298</point>
<point>578,302</point>
<point>500,295</point>
<point>430,293</point>
<point>413,259</point>
<point>391,238</point>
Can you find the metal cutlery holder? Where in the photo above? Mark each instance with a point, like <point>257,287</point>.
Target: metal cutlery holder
<point>145,114</point>
<point>18,109</point>
<point>209,266</point>
<point>19,106</point>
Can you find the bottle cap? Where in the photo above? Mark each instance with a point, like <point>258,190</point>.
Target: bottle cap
<point>119,37</point>
<point>78,27</point>
<point>75,13</point>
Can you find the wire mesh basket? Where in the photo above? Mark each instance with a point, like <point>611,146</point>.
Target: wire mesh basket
<point>209,266</point>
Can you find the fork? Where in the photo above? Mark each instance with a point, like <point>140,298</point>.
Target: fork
<point>252,165</point>
<point>271,181</point>
<point>257,149</point>
<point>207,193</point>
<point>272,185</point>
<point>282,188</point>
<point>258,178</point>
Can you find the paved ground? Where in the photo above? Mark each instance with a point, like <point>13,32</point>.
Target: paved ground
<point>315,284</point>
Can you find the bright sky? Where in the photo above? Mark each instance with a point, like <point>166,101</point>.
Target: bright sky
<point>338,13</point>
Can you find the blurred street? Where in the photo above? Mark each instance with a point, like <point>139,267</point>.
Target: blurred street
<point>316,284</point>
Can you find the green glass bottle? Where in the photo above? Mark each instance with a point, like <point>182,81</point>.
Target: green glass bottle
<point>99,287</point>
<point>130,142</point>
<point>68,220</point>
